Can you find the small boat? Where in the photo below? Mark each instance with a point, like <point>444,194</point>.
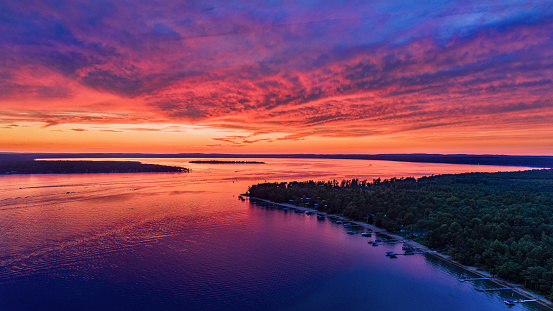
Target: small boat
<point>389,253</point>
<point>393,256</point>
<point>509,302</point>
<point>320,217</point>
<point>366,234</point>
<point>351,232</point>
<point>308,213</point>
<point>338,221</point>
<point>299,211</point>
<point>375,243</point>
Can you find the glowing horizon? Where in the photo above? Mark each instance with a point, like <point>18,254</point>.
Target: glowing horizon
<point>229,77</point>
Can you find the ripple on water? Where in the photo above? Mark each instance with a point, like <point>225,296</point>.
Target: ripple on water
<point>174,242</point>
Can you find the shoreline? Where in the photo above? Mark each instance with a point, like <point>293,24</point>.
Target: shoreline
<point>90,173</point>
<point>514,287</point>
<point>84,167</point>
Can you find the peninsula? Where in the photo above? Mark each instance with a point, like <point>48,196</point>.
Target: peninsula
<point>501,222</point>
<point>83,167</point>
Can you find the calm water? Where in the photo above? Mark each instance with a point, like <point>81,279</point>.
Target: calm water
<point>185,242</point>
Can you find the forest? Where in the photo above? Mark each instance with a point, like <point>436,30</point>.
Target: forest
<point>84,167</point>
<point>502,222</point>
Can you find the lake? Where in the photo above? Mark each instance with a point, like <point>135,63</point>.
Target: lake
<point>184,241</point>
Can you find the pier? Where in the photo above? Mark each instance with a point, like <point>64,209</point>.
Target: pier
<point>392,241</point>
<point>493,289</point>
<point>404,254</point>
<point>472,279</point>
<point>511,302</point>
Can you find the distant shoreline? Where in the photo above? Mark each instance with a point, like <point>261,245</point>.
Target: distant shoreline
<point>468,159</point>
<point>225,162</point>
<point>26,167</point>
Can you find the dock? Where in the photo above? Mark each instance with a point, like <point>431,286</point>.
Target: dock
<point>472,279</point>
<point>392,241</point>
<point>511,302</point>
<point>493,289</point>
<point>404,254</point>
<point>412,253</point>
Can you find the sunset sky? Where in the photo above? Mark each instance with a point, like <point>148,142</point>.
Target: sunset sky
<point>380,76</point>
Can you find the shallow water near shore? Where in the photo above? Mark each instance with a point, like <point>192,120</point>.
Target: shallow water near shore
<point>186,242</point>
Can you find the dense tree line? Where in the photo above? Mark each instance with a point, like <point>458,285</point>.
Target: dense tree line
<point>71,167</point>
<point>501,221</point>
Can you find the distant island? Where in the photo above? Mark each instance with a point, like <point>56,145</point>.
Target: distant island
<point>502,222</point>
<point>83,167</point>
<point>225,162</point>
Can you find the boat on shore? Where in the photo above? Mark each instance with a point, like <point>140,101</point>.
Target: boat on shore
<point>510,302</point>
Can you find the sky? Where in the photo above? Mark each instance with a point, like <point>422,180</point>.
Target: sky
<point>379,76</point>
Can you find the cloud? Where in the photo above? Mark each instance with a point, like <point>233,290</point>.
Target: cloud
<point>108,81</point>
<point>350,70</point>
<point>295,137</point>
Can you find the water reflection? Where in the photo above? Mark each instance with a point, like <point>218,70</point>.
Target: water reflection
<point>185,241</point>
